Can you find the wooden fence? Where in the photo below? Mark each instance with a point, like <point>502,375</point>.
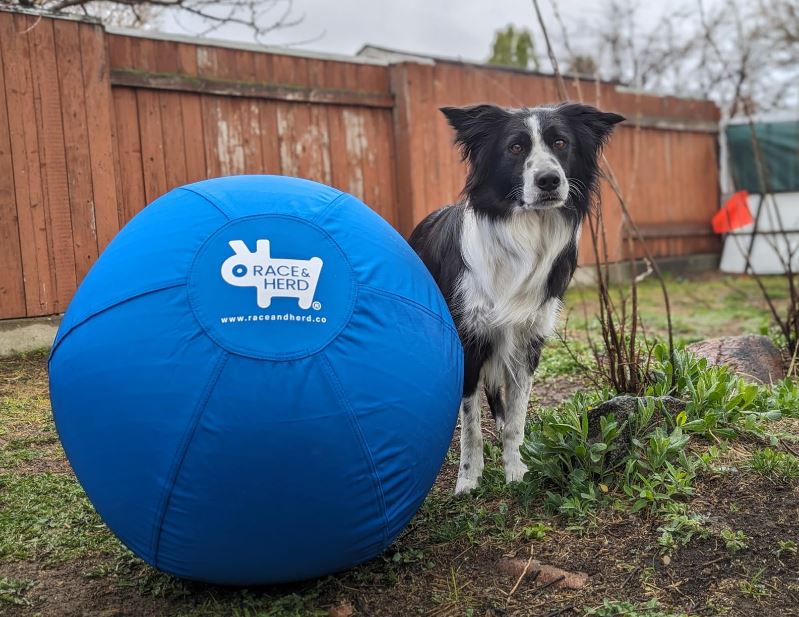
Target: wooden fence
<point>96,124</point>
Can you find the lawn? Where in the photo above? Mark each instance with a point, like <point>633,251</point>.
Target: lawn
<point>729,546</point>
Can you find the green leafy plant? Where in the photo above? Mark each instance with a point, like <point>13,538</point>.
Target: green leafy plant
<point>581,461</point>
<point>754,587</point>
<point>680,529</point>
<point>779,466</point>
<point>785,397</point>
<point>786,546</point>
<point>734,541</point>
<point>13,591</point>
<point>720,404</point>
<point>559,455</point>
<point>613,608</point>
<point>659,470</point>
<point>581,468</point>
<point>536,532</point>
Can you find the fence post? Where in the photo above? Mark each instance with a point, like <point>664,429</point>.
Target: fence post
<point>414,138</point>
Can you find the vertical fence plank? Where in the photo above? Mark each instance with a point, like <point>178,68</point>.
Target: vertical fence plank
<point>24,145</point>
<point>12,287</point>
<point>152,144</point>
<point>192,117</point>
<point>76,145</point>
<point>131,171</point>
<point>100,127</point>
<point>167,60</point>
<point>55,175</point>
<point>174,145</point>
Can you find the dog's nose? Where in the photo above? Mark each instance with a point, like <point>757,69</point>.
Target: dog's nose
<point>547,180</point>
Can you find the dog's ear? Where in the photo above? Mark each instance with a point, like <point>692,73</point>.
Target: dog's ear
<point>586,119</point>
<point>475,126</point>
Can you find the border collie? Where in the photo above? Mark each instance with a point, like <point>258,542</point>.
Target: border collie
<point>505,254</point>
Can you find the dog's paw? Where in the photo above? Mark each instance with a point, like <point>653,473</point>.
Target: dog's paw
<point>515,472</point>
<point>466,485</point>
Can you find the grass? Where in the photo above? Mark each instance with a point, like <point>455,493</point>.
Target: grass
<point>753,586</point>
<point>612,608</point>
<point>709,306</point>
<point>47,517</point>
<point>702,476</point>
<point>781,467</point>
<point>13,591</point>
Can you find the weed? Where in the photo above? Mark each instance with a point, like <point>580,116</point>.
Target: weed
<point>13,591</point>
<point>650,467</point>
<point>785,397</point>
<point>734,541</point>
<point>720,404</point>
<point>786,546</point>
<point>248,604</point>
<point>754,587</point>
<point>680,529</point>
<point>613,608</point>
<point>779,466</point>
<point>536,532</point>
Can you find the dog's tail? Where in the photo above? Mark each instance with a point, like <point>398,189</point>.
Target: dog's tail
<point>496,403</point>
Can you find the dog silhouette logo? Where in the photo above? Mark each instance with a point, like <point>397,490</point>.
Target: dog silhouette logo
<point>271,277</point>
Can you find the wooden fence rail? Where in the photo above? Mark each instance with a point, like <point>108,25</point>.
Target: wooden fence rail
<point>96,124</point>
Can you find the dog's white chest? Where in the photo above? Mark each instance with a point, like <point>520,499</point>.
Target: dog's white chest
<point>508,264</point>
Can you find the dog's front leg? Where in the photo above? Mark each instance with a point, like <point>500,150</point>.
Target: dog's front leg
<point>471,465</point>
<point>517,387</point>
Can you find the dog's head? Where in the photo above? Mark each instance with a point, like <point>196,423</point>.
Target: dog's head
<point>530,159</point>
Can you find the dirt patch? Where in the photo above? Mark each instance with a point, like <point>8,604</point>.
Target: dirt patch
<point>66,591</point>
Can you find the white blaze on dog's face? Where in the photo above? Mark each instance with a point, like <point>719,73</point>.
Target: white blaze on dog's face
<point>544,183</point>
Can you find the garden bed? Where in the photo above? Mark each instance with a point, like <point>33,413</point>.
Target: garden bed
<point>730,548</point>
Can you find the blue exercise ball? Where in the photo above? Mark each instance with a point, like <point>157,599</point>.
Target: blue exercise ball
<point>257,382</point>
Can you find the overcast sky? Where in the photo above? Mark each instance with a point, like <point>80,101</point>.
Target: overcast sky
<point>455,28</point>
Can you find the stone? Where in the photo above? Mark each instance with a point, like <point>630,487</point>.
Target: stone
<point>622,407</point>
<point>341,610</point>
<point>753,357</point>
<point>546,574</point>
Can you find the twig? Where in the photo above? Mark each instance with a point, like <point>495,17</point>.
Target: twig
<point>560,611</point>
<point>522,575</point>
<point>543,588</point>
<point>789,448</point>
<point>792,365</point>
<point>714,561</point>
<point>630,577</point>
<point>623,357</point>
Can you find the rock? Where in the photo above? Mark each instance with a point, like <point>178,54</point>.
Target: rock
<point>342,610</point>
<point>546,574</point>
<point>622,407</point>
<point>755,358</point>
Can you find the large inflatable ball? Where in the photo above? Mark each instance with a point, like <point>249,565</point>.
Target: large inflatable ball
<point>257,382</point>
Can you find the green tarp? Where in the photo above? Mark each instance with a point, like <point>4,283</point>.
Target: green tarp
<point>779,142</point>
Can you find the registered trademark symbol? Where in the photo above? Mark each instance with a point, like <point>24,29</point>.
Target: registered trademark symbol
<point>317,306</point>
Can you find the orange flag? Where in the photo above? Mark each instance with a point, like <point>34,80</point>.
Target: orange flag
<point>733,215</point>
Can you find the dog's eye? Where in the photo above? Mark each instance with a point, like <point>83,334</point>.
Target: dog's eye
<point>559,144</point>
<point>515,149</point>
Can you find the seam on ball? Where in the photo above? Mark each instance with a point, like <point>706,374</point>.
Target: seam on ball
<point>356,427</point>
<point>180,455</point>
<point>328,207</point>
<point>210,199</point>
<point>111,304</point>
<point>412,303</point>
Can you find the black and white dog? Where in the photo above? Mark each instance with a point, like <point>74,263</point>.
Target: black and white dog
<point>504,256</point>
